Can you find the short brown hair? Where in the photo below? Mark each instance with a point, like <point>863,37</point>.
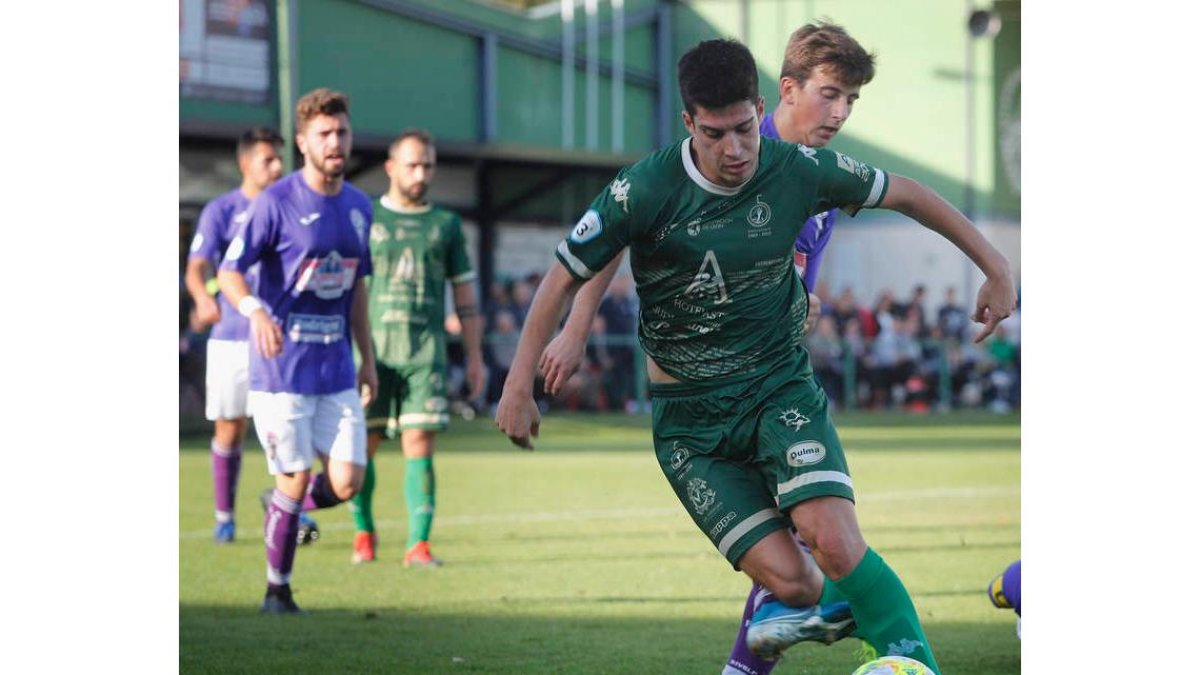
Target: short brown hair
<point>824,43</point>
<point>422,135</point>
<point>323,101</point>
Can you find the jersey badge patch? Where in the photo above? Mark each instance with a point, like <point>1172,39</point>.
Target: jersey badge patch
<point>588,228</point>
<point>760,213</point>
<point>853,166</point>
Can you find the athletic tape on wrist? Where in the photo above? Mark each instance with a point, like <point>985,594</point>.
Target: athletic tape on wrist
<point>248,305</point>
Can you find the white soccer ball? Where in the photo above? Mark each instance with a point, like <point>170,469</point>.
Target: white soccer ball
<point>893,665</point>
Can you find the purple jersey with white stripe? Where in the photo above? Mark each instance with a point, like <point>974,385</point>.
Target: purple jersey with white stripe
<point>219,220</point>
<point>311,250</point>
<point>810,243</point>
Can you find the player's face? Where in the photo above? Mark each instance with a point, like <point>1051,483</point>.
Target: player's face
<point>725,141</point>
<point>262,165</point>
<point>411,168</point>
<point>822,104</point>
<point>325,143</point>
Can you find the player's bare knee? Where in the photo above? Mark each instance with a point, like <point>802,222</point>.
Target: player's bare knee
<point>798,588</point>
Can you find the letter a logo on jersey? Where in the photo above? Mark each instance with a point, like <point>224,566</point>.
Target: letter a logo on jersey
<point>709,281</point>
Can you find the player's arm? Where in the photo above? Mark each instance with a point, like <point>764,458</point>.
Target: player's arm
<point>516,413</point>
<point>195,278</point>
<point>266,335</point>
<point>565,352</point>
<point>466,305</point>
<point>998,296</point>
<point>360,331</point>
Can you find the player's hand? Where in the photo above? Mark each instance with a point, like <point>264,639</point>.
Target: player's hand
<point>996,300</point>
<point>559,361</point>
<point>476,377</point>
<point>814,313</point>
<point>207,310</point>
<point>267,336</point>
<point>518,417</point>
<point>368,383</point>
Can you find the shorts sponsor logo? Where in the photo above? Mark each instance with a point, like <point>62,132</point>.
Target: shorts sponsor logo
<point>792,418</point>
<point>806,453</point>
<point>620,193</point>
<point>701,495</point>
<point>679,455</point>
<point>588,228</point>
<point>272,443</point>
<point>722,524</point>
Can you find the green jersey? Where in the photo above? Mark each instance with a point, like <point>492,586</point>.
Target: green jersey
<point>414,253</point>
<point>714,265</point>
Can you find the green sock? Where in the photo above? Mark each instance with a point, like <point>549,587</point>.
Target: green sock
<point>886,618</point>
<point>360,504</point>
<point>419,494</point>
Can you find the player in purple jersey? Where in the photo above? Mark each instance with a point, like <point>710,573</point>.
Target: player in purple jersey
<point>824,68</point>
<point>308,232</point>
<point>227,359</point>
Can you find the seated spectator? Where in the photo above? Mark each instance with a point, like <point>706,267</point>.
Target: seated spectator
<point>825,347</point>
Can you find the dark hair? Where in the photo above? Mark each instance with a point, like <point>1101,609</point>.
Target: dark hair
<point>321,101</point>
<point>412,132</point>
<point>255,135</point>
<point>717,73</point>
<point>823,43</point>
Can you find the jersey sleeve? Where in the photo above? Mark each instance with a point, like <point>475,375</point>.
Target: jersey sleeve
<point>206,242</point>
<point>259,232</point>
<point>605,229</point>
<point>842,181</point>
<point>458,263</point>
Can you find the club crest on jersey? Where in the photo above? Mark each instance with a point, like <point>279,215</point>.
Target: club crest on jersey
<point>760,213</point>
<point>359,222</point>
<point>794,419</point>
<point>853,166</point>
<point>588,228</point>
<point>620,193</point>
<point>379,233</point>
<point>328,278</point>
<point>808,152</point>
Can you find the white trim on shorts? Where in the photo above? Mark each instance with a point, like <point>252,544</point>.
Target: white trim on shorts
<point>294,428</point>
<point>226,379</point>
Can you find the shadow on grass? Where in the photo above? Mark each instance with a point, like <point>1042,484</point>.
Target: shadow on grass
<point>390,640</point>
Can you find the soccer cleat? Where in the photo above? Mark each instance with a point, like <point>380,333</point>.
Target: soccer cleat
<point>308,532</point>
<point>419,556</point>
<point>223,532</point>
<point>775,626</point>
<point>996,593</point>
<point>278,600</point>
<point>364,547</point>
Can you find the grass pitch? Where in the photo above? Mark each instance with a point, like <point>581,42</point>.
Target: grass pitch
<point>577,558</point>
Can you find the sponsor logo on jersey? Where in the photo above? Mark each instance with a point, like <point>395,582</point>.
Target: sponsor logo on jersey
<point>315,328</point>
<point>760,213</point>
<point>588,228</point>
<point>698,225</point>
<point>236,248</point>
<point>379,233</point>
<point>853,166</point>
<point>808,152</point>
<point>328,278</point>
<point>701,495</point>
<point>806,453</point>
<point>722,524</point>
<point>241,217</point>
<point>309,219</point>
<point>792,418</point>
<point>620,193</point>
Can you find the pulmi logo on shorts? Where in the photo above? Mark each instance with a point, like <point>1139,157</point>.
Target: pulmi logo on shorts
<point>803,454</point>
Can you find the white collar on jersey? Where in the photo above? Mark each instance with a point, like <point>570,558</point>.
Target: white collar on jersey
<point>698,178</point>
<point>393,206</point>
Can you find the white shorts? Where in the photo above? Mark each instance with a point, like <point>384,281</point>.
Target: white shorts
<point>226,378</point>
<point>294,428</point>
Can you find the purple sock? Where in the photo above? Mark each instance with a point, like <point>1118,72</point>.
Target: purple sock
<point>279,533</point>
<point>226,465</point>
<point>741,660</point>
<point>320,493</point>
<point>1012,586</point>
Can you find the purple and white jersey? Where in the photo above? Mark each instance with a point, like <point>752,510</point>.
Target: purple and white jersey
<point>219,220</point>
<point>311,249</point>
<point>810,243</point>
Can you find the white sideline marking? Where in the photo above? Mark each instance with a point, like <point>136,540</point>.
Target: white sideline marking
<point>616,514</point>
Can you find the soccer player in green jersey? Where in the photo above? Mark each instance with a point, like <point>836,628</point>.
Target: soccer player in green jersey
<point>741,429</point>
<point>416,248</point>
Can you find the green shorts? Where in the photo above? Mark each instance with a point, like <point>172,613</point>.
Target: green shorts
<point>742,452</point>
<point>410,397</point>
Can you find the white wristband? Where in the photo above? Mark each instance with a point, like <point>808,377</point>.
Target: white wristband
<point>248,305</point>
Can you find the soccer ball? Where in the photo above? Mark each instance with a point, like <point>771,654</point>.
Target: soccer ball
<point>893,665</point>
